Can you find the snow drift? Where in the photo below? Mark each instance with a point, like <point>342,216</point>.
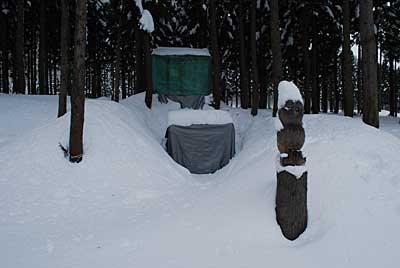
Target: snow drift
<point>127,204</point>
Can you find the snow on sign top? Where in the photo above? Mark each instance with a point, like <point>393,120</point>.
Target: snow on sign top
<point>288,91</point>
<point>187,117</point>
<point>181,51</point>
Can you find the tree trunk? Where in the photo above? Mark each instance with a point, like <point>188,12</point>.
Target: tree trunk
<point>254,66</point>
<point>359,81</point>
<point>43,65</point>
<point>314,68</point>
<point>335,86</point>
<point>392,87</point>
<point>263,75</point>
<point>65,76</point>
<point>148,65</point>
<point>77,96</point>
<point>19,48</point>
<point>117,65</point>
<point>215,55</point>
<point>276,51</point>
<point>306,62</point>
<point>368,43</point>
<point>139,73</point>
<point>244,79</point>
<point>347,62</point>
<point>4,52</point>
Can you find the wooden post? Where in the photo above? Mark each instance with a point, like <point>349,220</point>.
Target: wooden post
<point>291,193</point>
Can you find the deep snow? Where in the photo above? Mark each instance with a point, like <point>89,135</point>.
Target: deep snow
<point>128,204</point>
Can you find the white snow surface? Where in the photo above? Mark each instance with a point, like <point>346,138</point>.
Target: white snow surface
<point>187,117</point>
<point>181,51</point>
<point>146,21</point>
<point>288,91</point>
<point>128,204</point>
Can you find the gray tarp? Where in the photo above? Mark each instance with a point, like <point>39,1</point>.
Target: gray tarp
<point>202,149</point>
<point>192,102</point>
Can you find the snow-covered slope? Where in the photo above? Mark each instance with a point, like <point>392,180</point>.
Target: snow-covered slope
<point>129,205</point>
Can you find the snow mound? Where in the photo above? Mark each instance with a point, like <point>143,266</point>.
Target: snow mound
<point>189,117</point>
<point>128,204</point>
<point>288,91</point>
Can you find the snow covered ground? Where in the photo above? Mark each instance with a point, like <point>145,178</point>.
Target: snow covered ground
<point>128,204</point>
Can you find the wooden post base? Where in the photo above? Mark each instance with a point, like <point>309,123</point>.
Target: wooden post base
<point>291,204</point>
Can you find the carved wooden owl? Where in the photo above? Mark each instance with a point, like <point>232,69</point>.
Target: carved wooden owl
<point>291,114</point>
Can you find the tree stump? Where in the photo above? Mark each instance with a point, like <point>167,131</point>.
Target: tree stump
<point>291,193</point>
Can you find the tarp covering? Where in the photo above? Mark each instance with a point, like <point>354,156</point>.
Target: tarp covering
<point>191,102</point>
<point>181,75</point>
<point>202,149</point>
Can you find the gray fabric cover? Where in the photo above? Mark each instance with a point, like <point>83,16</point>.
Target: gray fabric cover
<point>192,102</point>
<point>202,149</point>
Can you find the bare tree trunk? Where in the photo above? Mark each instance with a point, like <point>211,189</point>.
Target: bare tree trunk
<point>139,73</point>
<point>392,87</point>
<point>65,44</point>
<point>19,48</point>
<point>306,62</point>
<point>254,67</point>
<point>244,79</point>
<point>276,51</point>
<point>263,75</point>
<point>315,105</point>
<point>368,43</point>
<point>215,55</point>
<point>4,52</point>
<point>43,64</point>
<point>359,81</point>
<point>148,64</point>
<point>335,86</point>
<point>77,96</point>
<point>347,62</point>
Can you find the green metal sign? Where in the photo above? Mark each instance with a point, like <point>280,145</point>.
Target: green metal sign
<point>181,75</point>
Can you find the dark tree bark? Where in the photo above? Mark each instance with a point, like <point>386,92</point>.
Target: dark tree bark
<point>117,64</point>
<point>19,49</point>
<point>324,96</point>
<point>65,81</point>
<point>392,88</point>
<point>77,93</point>
<point>315,105</point>
<point>244,78</point>
<point>148,65</point>
<point>359,81</point>
<point>43,64</point>
<point>306,61</point>
<point>4,52</point>
<point>139,66</point>
<point>254,66</point>
<point>263,75</point>
<point>368,43</point>
<point>347,62</point>
<point>335,86</point>
<point>215,55</point>
<point>276,51</point>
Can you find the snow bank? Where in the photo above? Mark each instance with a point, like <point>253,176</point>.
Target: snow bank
<point>189,117</point>
<point>127,204</point>
<point>288,91</point>
<point>181,51</point>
